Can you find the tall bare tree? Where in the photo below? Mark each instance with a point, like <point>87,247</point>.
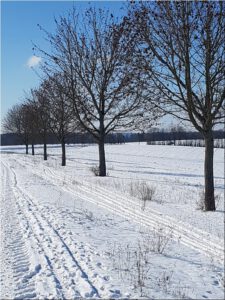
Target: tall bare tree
<point>182,48</point>
<point>41,106</point>
<point>30,121</point>
<point>95,56</point>
<point>61,120</point>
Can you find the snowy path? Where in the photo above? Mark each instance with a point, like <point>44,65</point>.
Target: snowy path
<point>128,208</point>
<point>65,274</point>
<point>15,249</point>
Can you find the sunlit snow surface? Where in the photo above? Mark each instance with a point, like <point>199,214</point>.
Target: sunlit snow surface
<point>68,234</point>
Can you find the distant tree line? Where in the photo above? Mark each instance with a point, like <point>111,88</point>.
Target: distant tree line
<point>8,139</point>
<point>104,75</point>
<point>218,143</point>
<point>171,135</point>
<point>161,135</point>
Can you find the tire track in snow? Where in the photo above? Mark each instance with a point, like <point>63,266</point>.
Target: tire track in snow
<point>59,248</point>
<point>17,253</point>
<point>6,264</point>
<point>54,288</point>
<point>185,233</point>
<point>98,286</point>
<point>45,225</point>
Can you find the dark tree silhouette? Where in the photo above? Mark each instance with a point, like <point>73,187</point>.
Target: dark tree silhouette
<point>17,121</point>
<point>41,105</point>
<point>30,122</point>
<point>95,56</point>
<point>182,50</point>
<point>61,120</point>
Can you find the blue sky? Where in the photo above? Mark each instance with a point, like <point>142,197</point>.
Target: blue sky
<point>19,29</point>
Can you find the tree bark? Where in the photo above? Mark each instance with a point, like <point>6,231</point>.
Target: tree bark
<point>102,164</point>
<point>32,149</point>
<point>26,148</point>
<point>63,153</point>
<point>209,181</point>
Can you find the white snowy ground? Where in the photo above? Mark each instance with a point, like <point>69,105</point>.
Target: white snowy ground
<point>68,234</point>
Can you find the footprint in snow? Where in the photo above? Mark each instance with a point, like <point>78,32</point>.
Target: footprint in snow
<point>215,282</point>
<point>106,278</point>
<point>115,293</point>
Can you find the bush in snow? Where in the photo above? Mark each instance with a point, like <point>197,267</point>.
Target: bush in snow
<point>143,191</point>
<point>200,205</point>
<point>133,262</point>
<point>158,240</point>
<point>95,170</point>
<point>200,202</point>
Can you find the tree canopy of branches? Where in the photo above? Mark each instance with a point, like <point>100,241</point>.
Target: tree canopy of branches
<point>41,106</point>
<point>17,121</point>
<point>182,48</point>
<point>59,118</point>
<point>31,121</point>
<point>96,60</point>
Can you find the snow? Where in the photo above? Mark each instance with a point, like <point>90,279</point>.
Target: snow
<point>68,234</point>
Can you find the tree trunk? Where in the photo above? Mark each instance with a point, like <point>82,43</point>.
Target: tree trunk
<point>63,153</point>
<point>26,148</point>
<point>32,149</point>
<point>209,179</point>
<point>45,148</point>
<point>102,164</point>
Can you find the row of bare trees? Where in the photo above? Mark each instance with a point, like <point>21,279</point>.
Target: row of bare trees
<point>94,55</point>
<point>102,74</point>
<point>45,111</point>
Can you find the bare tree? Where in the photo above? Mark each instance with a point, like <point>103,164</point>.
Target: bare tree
<point>41,106</point>
<point>61,118</point>
<point>30,122</point>
<point>17,121</point>
<point>182,48</point>
<point>94,54</point>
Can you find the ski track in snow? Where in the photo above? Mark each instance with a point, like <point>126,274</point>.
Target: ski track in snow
<point>128,208</point>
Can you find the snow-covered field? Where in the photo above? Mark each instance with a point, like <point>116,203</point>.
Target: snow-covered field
<point>67,234</point>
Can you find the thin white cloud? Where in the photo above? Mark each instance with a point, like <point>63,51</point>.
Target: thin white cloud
<point>33,61</point>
